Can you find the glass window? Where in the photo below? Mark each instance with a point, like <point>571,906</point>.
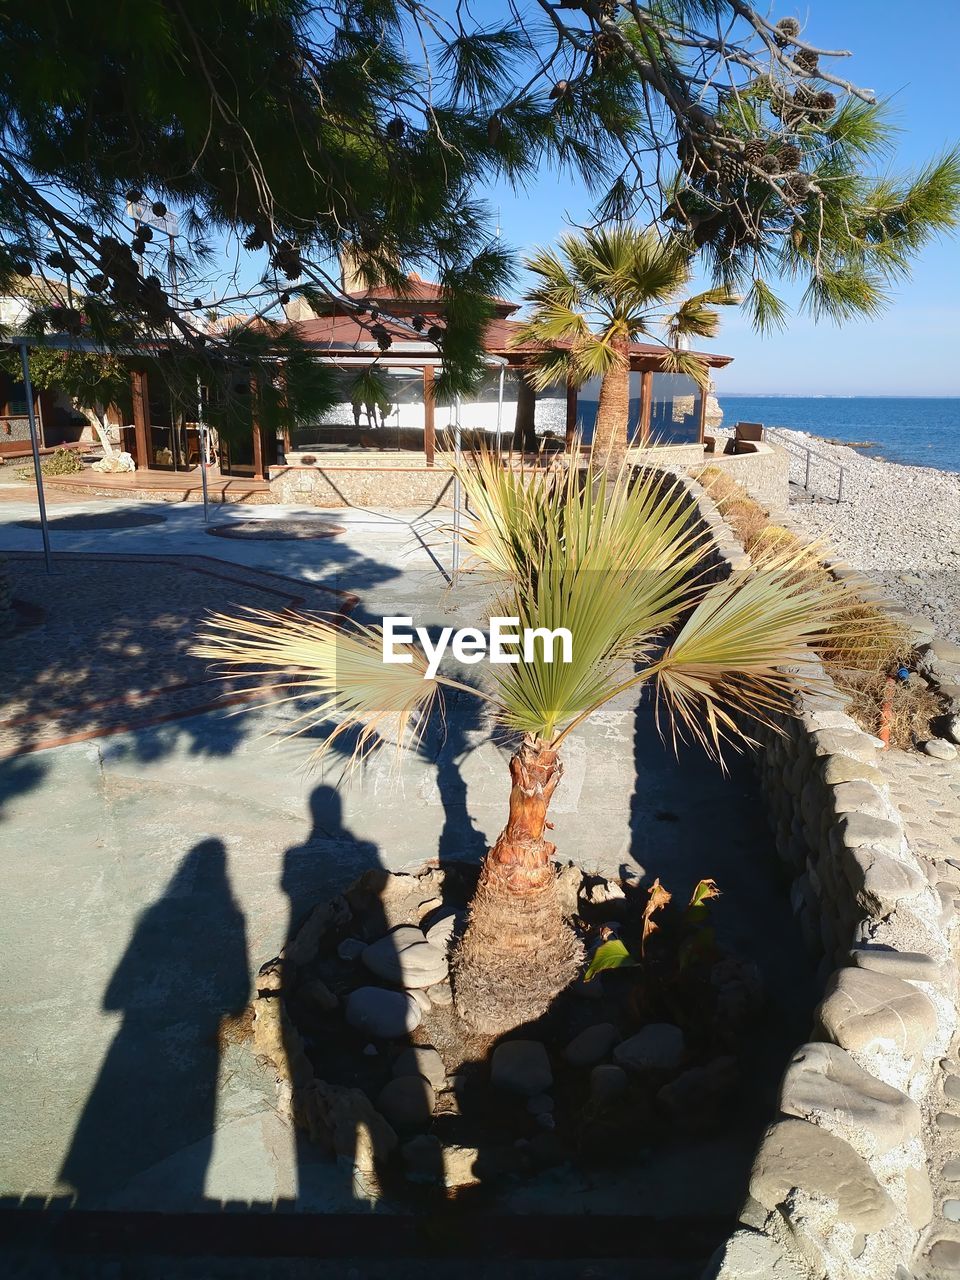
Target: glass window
<point>674,409</point>
<point>17,401</point>
<point>588,400</point>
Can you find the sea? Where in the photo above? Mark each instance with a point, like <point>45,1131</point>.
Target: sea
<point>917,431</point>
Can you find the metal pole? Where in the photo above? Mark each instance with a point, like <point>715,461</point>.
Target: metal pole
<point>457,495</point>
<point>840,487</point>
<point>806,480</point>
<point>35,446</point>
<point>202,432</point>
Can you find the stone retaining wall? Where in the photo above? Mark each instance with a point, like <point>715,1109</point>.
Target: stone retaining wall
<point>371,484</point>
<point>764,474</point>
<point>839,1188</point>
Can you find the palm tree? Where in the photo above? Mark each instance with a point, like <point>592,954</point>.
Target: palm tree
<point>602,291</point>
<point>611,558</point>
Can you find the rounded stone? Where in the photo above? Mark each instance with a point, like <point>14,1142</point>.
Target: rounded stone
<point>421,1060</point>
<point>823,1084</point>
<point>951,1210</point>
<point>748,1255</point>
<point>861,1009</point>
<point>940,750</point>
<point>384,1014</point>
<point>351,948</point>
<point>521,1066</point>
<point>945,1255</point>
<point>794,1155</point>
<point>406,958</point>
<point>919,1197</point>
<point>541,1104</point>
<point>406,1101</point>
<point>880,881</point>
<point>318,996</point>
<point>658,1047</point>
<point>444,929</point>
<point>592,1045</point>
<point>607,1082</point>
<point>441,995</point>
<point>911,966</point>
<point>422,999</point>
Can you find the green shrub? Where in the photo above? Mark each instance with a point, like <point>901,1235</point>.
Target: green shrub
<point>62,462</point>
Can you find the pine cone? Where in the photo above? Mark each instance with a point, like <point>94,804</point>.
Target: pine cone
<point>787,28</point>
<point>825,102</point>
<point>754,151</point>
<point>789,157</point>
<point>798,186</point>
<point>730,168</point>
<point>395,128</point>
<point>769,163</point>
<point>807,61</point>
<point>604,46</point>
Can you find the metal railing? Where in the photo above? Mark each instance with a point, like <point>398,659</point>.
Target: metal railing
<point>819,477</point>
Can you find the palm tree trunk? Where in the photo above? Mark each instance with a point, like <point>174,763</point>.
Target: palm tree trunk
<point>610,431</point>
<point>517,953</point>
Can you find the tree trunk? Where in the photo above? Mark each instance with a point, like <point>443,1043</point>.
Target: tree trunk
<point>93,416</point>
<point>525,428</point>
<point>613,411</point>
<point>517,953</point>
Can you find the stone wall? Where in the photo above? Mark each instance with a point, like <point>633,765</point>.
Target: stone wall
<point>372,483</point>
<point>839,1188</point>
<point>765,474</point>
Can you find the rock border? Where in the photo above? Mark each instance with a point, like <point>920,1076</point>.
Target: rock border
<point>839,1187</point>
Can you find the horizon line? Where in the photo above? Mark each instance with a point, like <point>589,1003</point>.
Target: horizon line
<point>834,395</point>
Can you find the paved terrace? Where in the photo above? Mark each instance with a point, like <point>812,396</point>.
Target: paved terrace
<point>152,865</point>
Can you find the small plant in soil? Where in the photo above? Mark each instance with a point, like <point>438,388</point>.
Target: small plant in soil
<point>613,558</point>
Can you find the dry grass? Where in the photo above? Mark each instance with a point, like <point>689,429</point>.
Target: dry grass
<point>864,638</point>
<point>913,708</point>
<point>746,517</point>
<point>865,644</point>
<point>235,1028</point>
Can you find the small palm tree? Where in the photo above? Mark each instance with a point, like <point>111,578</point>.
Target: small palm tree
<point>602,291</point>
<point>613,560</point>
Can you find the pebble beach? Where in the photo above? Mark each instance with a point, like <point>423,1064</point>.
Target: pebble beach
<point>899,524</point>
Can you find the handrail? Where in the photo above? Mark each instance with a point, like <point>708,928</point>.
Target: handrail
<point>807,458</point>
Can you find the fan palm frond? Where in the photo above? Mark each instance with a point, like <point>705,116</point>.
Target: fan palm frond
<point>337,665</point>
<point>610,560</point>
<point>697,316</point>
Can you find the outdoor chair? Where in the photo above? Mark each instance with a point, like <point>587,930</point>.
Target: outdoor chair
<point>745,436</point>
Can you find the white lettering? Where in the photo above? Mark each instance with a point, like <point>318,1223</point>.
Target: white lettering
<point>392,636</point>
<point>469,645</point>
<point>500,636</point>
<point>436,651</point>
<point>532,634</point>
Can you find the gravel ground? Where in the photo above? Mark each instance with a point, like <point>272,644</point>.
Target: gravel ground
<point>900,525</point>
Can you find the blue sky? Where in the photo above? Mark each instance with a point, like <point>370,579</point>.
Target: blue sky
<point>912,349</point>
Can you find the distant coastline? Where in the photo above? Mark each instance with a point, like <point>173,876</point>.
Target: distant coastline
<point>916,431</point>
